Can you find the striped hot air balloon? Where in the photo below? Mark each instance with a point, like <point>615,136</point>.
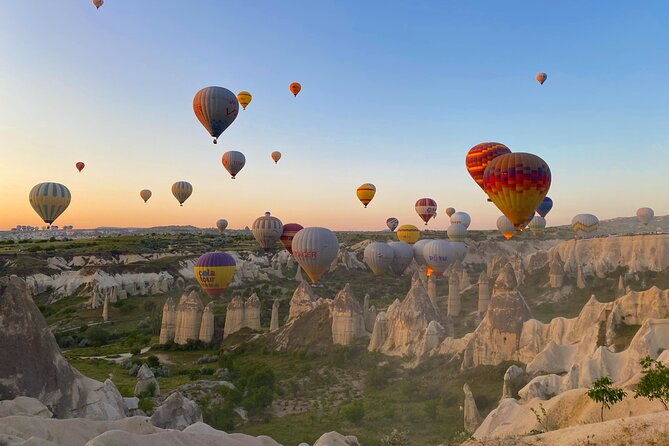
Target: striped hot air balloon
<point>366,193</point>
<point>517,183</point>
<point>392,223</point>
<point>288,234</point>
<point>545,206</point>
<point>462,218</point>
<point>267,230</point>
<point>233,162</point>
<point>214,271</point>
<point>403,257</point>
<point>408,233</point>
<point>480,156</point>
<point>244,98</point>
<point>439,255</point>
<point>49,200</point>
<point>505,226</point>
<point>537,225</point>
<point>315,249</point>
<point>426,208</point>
<point>216,108</point>
<point>584,224</point>
<point>181,191</point>
<point>378,256</point>
<point>221,224</point>
<point>145,194</point>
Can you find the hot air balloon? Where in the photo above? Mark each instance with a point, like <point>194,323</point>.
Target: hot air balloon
<point>98,3</point>
<point>145,194</point>
<point>537,225</point>
<point>461,217</point>
<point>460,251</point>
<point>366,193</point>
<point>506,227</point>
<point>295,88</point>
<point>545,206</point>
<point>439,254</point>
<point>645,215</point>
<point>244,98</point>
<point>181,191</point>
<point>80,166</point>
<point>403,257</point>
<point>49,200</point>
<point>267,230</point>
<point>276,156</point>
<point>378,256</point>
<point>517,183</point>
<point>457,232</point>
<point>450,212</point>
<point>418,251</point>
<point>315,249</point>
<point>392,223</point>
<point>233,162</point>
<point>216,108</point>
<point>583,224</point>
<point>426,208</point>
<point>221,224</point>
<point>214,271</point>
<point>480,156</point>
<point>541,78</point>
<point>289,231</point>
<point>408,233</point>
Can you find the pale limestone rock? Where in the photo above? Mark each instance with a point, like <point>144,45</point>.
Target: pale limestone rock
<point>472,417</point>
<point>370,318</point>
<point>274,323</point>
<point>252,312</point>
<point>515,379</point>
<point>580,278</point>
<point>304,299</point>
<point>556,273</point>
<point>235,318</point>
<point>620,289</point>
<point>23,405</point>
<point>454,305</point>
<point>465,280</point>
<point>146,382</point>
<point>176,412</point>
<point>189,317</point>
<point>105,309</point>
<point>113,295</point>
<point>484,293</point>
<point>434,334</point>
<point>347,260</point>
<point>207,324</point>
<point>336,439</point>
<point>168,322</point>
<point>179,284</point>
<point>298,275</point>
<point>379,332</point>
<point>432,289</point>
<point>347,318</point>
<point>543,387</point>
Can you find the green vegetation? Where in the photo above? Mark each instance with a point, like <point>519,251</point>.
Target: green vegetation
<point>654,384</point>
<point>603,392</point>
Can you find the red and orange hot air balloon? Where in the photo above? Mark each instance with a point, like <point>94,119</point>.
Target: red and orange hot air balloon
<point>80,166</point>
<point>480,156</point>
<point>295,88</point>
<point>517,183</point>
<point>289,231</point>
<point>541,78</point>
<point>426,208</point>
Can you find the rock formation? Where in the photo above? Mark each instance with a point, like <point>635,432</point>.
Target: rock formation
<point>207,325</point>
<point>348,322</point>
<point>147,384</point>
<point>105,309</point>
<point>274,323</point>
<point>379,332</point>
<point>176,412</point>
<point>555,272</point>
<point>336,439</point>
<point>188,318</point>
<point>472,417</point>
<point>432,289</point>
<point>304,299</point>
<point>514,380</point>
<point>235,317</point>
<point>454,305</point>
<point>168,322</point>
<point>252,312</point>
<point>484,293</point>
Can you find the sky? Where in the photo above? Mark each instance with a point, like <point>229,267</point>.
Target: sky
<point>393,93</point>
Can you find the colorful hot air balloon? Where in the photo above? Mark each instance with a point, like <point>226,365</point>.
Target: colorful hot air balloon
<point>392,223</point>
<point>80,166</point>
<point>418,251</point>
<point>403,257</point>
<point>233,162</point>
<point>214,271</point>
<point>315,249</point>
<point>181,191</point>
<point>295,88</point>
<point>439,255</point>
<point>244,98</point>
<point>645,215</point>
<point>216,108</point>
<point>461,217</point>
<point>145,194</point>
<point>583,224</point>
<point>98,3</point>
<point>276,156</point>
<point>221,224</point>
<point>408,233</point>
<point>545,206</point>
<point>378,256</point>
<point>517,183</point>
<point>426,208</point>
<point>541,78</point>
<point>506,227</point>
<point>288,234</point>
<point>267,230</point>
<point>537,225</point>
<point>366,193</point>
<point>457,232</point>
<point>49,200</point>
<point>450,212</point>
<point>480,156</point>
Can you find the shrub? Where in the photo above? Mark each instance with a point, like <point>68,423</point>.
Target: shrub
<point>146,404</point>
<point>604,393</point>
<point>354,412</point>
<point>396,438</point>
<point>97,335</point>
<point>654,384</point>
<point>153,361</point>
<point>377,377</point>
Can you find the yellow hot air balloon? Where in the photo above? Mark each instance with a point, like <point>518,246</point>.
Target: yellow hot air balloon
<point>276,156</point>
<point>408,233</point>
<point>244,98</point>
<point>49,200</point>
<point>365,193</point>
<point>214,271</point>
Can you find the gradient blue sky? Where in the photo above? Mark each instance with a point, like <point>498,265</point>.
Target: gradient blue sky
<point>394,93</point>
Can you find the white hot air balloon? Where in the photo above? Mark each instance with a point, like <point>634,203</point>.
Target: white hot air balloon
<point>460,251</point>
<point>418,251</point>
<point>267,230</point>
<point>461,217</point>
<point>403,257</point>
<point>221,225</point>
<point>537,225</point>
<point>315,249</point>
<point>506,227</point>
<point>439,255</point>
<point>457,232</point>
<point>645,215</point>
<point>378,256</point>
<point>584,224</point>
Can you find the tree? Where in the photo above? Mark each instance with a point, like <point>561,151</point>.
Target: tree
<point>604,393</point>
<point>654,384</point>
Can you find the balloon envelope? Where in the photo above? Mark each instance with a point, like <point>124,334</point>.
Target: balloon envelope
<point>221,224</point>
<point>244,98</point>
<point>418,251</point>
<point>584,224</point>
<point>541,78</point>
<point>450,212</point>
<point>145,194</point>
<point>426,208</point>
<point>537,225</point>
<point>233,161</point>
<point>181,191</point>
<point>408,233</point>
<point>276,156</point>
<point>506,227</point>
<point>288,234</point>
<point>80,166</point>
<point>461,217</point>
<point>480,156</point>
<point>214,271</point>
<point>98,3</point>
<point>392,223</point>
<point>545,206</point>
<point>439,255</point>
<point>267,230</point>
<point>216,108</point>
<point>365,193</point>
<point>378,256</point>
<point>645,215</point>
<point>315,249</point>
<point>403,257</point>
<point>295,88</point>
<point>457,232</point>
<point>49,200</point>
